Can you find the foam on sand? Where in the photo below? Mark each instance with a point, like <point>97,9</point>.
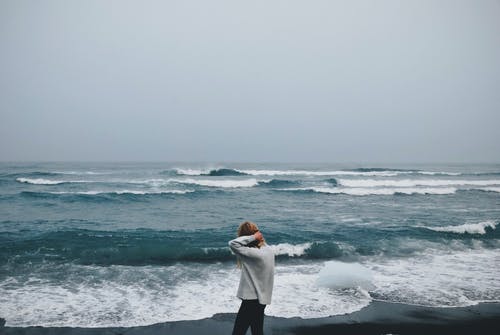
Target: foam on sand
<point>340,275</point>
<point>125,296</point>
<point>439,278</point>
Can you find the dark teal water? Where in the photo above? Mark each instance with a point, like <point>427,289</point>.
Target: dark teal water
<point>105,244</point>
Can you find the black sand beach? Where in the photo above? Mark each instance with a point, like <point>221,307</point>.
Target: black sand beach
<point>377,318</point>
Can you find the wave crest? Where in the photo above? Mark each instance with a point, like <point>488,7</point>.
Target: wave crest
<point>360,191</point>
<point>415,182</point>
<point>490,189</point>
<point>278,183</point>
<point>40,181</point>
<point>224,172</point>
<point>291,250</point>
<point>469,228</point>
<point>225,183</point>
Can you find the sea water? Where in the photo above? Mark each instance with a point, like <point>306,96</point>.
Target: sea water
<point>125,244</point>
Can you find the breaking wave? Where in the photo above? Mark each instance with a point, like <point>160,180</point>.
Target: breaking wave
<point>490,189</point>
<point>224,172</point>
<point>224,183</point>
<point>360,191</point>
<point>468,228</point>
<point>375,172</point>
<point>41,181</point>
<point>415,182</point>
<point>139,248</point>
<point>118,192</point>
<point>278,183</point>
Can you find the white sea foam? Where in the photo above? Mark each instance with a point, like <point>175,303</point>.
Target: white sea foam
<point>291,250</point>
<point>360,191</point>
<point>470,228</point>
<point>439,278</point>
<point>137,192</point>
<point>224,183</point>
<point>192,172</point>
<point>82,172</point>
<point>39,181</point>
<point>216,182</point>
<point>318,173</point>
<point>414,182</point>
<point>92,296</point>
<point>269,172</point>
<point>340,275</point>
<point>297,294</point>
<point>443,173</point>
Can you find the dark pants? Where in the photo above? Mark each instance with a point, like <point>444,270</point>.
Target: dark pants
<point>250,314</point>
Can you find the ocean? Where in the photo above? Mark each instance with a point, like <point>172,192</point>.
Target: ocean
<point>128,244</point>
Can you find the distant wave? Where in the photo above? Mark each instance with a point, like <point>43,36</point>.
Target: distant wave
<point>136,192</point>
<point>224,172</point>
<point>404,171</point>
<point>37,174</point>
<point>221,183</point>
<point>469,228</point>
<point>375,172</point>
<point>257,172</point>
<point>332,181</point>
<point>490,189</point>
<point>102,195</point>
<point>41,181</point>
<point>415,182</point>
<point>41,174</point>
<point>441,173</point>
<point>190,172</point>
<point>360,191</point>
<point>373,169</point>
<point>224,183</point>
<point>317,173</point>
<point>81,172</point>
<point>278,183</point>
<point>205,172</point>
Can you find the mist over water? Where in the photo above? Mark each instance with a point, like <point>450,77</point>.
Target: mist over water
<point>109,244</point>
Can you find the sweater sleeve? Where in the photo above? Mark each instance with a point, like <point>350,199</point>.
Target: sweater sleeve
<point>240,246</point>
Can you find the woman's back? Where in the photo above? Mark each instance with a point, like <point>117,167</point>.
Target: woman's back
<point>257,269</point>
<point>256,260</point>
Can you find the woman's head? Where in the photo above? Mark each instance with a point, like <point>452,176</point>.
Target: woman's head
<point>248,228</point>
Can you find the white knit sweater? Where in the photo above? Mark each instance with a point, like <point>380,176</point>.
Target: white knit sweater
<point>257,270</point>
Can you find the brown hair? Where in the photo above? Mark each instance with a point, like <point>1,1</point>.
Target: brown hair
<point>248,228</point>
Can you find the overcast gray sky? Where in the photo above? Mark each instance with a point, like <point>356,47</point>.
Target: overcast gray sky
<point>302,81</point>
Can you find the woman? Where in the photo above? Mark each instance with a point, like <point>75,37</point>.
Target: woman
<point>256,260</point>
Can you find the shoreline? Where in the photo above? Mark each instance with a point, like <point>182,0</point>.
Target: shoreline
<point>377,318</point>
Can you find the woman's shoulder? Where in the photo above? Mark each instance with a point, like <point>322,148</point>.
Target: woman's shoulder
<point>267,248</point>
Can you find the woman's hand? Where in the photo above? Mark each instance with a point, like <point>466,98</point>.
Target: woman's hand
<point>258,236</point>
